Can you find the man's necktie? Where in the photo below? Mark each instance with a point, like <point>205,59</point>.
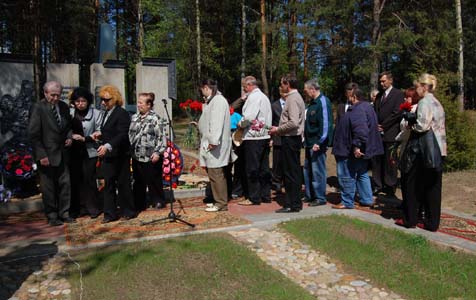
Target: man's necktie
<point>104,117</point>
<point>384,97</point>
<point>55,113</point>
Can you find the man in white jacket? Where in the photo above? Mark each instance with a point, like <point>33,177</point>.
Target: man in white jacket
<point>256,121</point>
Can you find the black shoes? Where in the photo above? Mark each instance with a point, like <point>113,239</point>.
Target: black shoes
<point>159,205</point>
<point>288,210</point>
<point>130,217</point>
<point>69,220</point>
<point>55,222</point>
<point>109,220</point>
<point>94,216</point>
<point>316,203</point>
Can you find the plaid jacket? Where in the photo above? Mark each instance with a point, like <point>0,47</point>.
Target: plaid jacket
<point>147,135</point>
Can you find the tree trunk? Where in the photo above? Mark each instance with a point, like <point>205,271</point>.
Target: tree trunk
<point>35,8</point>
<point>291,39</point>
<point>140,44</point>
<point>199,61</point>
<point>243,39</point>
<point>263,48</point>
<point>376,33</point>
<point>459,26</point>
<point>305,59</point>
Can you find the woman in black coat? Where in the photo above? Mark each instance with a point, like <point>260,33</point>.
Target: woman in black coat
<point>115,154</point>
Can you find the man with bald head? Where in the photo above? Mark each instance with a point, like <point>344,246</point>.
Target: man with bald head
<point>50,136</point>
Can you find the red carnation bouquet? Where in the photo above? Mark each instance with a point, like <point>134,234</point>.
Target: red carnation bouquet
<point>406,106</point>
<point>193,109</point>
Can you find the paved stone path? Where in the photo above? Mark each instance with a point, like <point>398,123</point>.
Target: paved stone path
<point>310,269</point>
<point>44,279</point>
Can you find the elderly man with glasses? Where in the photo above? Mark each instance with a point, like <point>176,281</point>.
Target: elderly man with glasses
<point>50,136</point>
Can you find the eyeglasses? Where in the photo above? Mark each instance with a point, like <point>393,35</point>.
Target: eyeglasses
<point>106,100</point>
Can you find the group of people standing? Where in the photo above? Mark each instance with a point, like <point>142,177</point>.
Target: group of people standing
<point>82,150</point>
<point>364,135</point>
<point>77,144</point>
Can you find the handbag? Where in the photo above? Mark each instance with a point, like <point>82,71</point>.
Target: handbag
<point>430,150</point>
<point>422,146</point>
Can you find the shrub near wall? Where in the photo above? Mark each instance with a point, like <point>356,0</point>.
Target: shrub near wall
<point>460,135</point>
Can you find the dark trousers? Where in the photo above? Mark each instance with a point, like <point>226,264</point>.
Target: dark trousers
<point>258,175</point>
<point>84,194</point>
<point>422,187</point>
<point>240,184</point>
<point>277,166</point>
<point>117,175</point>
<point>384,173</point>
<point>147,175</point>
<point>291,162</point>
<point>55,187</point>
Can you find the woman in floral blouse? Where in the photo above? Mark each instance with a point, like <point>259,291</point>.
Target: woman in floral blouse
<point>148,144</point>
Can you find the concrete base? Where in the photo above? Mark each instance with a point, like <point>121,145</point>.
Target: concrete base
<point>35,204</point>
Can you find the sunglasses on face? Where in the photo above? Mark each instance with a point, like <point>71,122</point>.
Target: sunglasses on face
<point>106,100</point>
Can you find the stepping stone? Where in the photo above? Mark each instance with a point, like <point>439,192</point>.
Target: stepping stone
<point>358,283</point>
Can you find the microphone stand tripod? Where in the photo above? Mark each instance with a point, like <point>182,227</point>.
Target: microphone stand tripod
<point>172,216</point>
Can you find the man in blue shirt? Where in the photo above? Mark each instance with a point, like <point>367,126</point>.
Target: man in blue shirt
<point>318,129</point>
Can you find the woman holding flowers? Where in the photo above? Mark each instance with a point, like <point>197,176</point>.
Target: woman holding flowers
<point>148,143</point>
<point>215,143</point>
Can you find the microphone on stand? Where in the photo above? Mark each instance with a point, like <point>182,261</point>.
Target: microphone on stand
<point>164,101</point>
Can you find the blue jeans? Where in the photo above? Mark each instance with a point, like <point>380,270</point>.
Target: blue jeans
<point>315,174</point>
<point>353,174</point>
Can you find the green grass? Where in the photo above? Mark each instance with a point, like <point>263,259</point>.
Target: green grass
<point>406,264</point>
<point>197,267</point>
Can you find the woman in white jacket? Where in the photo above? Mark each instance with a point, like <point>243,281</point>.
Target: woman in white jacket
<point>215,142</point>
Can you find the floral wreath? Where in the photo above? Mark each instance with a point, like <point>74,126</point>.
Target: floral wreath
<point>17,162</point>
<point>173,162</point>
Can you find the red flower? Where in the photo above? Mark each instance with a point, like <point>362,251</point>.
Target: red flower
<point>19,171</point>
<point>196,105</point>
<point>174,185</point>
<point>406,106</point>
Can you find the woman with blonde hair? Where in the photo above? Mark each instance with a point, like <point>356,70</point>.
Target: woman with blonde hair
<point>422,160</point>
<point>115,154</point>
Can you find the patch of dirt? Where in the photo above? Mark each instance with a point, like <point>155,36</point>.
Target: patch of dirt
<point>459,190</point>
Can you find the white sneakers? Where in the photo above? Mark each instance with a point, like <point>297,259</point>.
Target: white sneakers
<point>213,208</point>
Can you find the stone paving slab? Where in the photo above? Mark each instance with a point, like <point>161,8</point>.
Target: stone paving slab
<point>310,269</point>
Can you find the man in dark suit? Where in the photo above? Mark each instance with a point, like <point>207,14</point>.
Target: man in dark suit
<point>115,154</point>
<point>387,107</point>
<point>50,135</point>
<point>276,109</point>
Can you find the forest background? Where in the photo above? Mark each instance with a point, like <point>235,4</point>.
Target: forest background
<point>335,41</point>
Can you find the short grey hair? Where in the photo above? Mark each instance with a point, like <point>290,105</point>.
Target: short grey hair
<point>250,80</point>
<point>313,83</point>
<point>52,84</point>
